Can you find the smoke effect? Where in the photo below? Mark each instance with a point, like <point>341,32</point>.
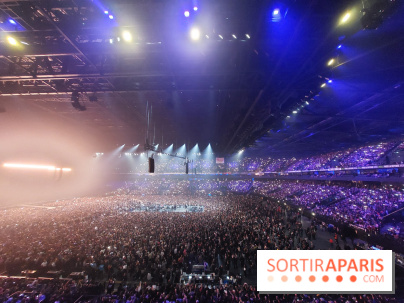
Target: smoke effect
<point>33,135</point>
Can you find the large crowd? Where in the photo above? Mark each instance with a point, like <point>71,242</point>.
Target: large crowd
<point>361,205</point>
<point>132,235</point>
<point>107,237</point>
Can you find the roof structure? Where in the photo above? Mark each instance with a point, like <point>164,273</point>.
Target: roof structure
<point>257,74</point>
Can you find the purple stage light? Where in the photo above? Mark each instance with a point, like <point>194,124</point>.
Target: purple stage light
<point>186,14</point>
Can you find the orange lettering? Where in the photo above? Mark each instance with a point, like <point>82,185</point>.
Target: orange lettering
<point>319,263</point>
<point>330,265</point>
<point>363,264</point>
<point>341,263</point>
<point>378,263</point>
<point>293,263</point>
<point>269,263</point>
<point>352,265</point>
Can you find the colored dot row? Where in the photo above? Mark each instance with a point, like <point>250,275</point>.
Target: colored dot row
<point>312,278</point>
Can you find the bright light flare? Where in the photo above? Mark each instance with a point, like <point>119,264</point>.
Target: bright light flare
<point>35,166</point>
<point>331,62</point>
<point>195,34</point>
<point>12,41</point>
<point>127,36</point>
<point>345,18</point>
<point>186,14</point>
<point>323,85</point>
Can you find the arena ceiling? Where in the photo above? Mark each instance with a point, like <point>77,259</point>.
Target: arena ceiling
<point>255,78</point>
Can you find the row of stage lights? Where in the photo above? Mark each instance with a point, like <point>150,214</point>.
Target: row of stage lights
<point>126,36</point>
<point>187,13</point>
<point>331,63</point>
<point>158,154</point>
<point>195,35</point>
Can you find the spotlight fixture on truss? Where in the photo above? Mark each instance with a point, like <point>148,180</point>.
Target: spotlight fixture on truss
<point>75,101</point>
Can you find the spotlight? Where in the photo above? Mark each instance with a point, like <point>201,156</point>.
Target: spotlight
<point>106,12</point>
<point>12,41</point>
<point>195,8</point>
<point>234,36</point>
<point>12,21</point>
<point>276,15</point>
<point>186,14</point>
<point>322,85</point>
<point>195,34</point>
<point>295,111</point>
<point>111,17</point>
<point>221,37</point>
<point>339,46</point>
<point>331,62</point>
<point>207,37</point>
<point>127,36</point>
<point>330,81</point>
<point>345,18</point>
<point>248,36</point>
<point>111,41</point>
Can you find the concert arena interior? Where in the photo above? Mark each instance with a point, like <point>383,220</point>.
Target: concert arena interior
<point>150,148</point>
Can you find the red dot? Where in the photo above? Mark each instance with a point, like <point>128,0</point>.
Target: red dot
<point>339,278</point>
<point>298,278</point>
<point>353,278</point>
<point>312,278</point>
<point>325,278</point>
